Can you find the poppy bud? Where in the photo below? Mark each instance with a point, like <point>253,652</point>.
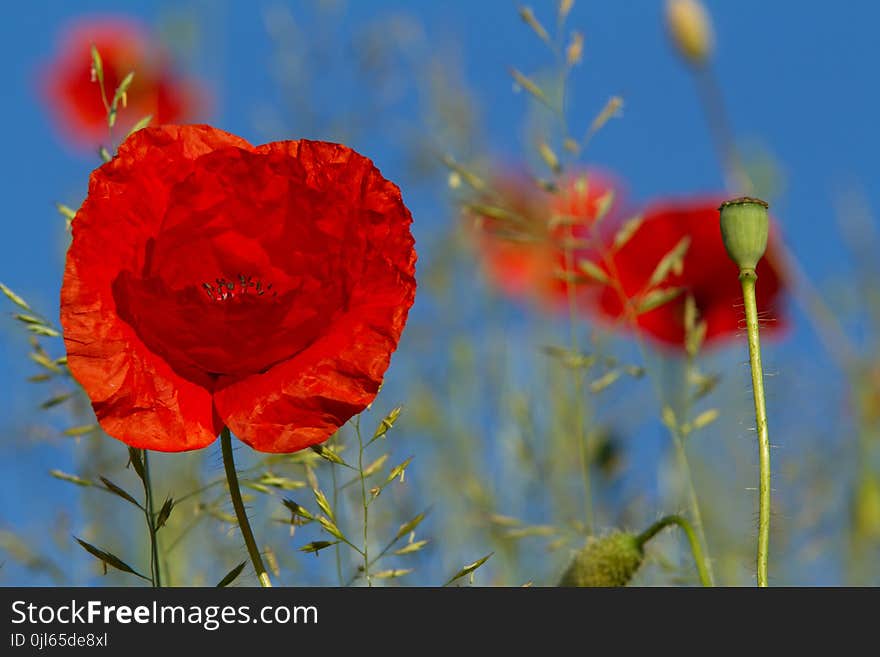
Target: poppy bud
<point>690,29</point>
<point>744,229</point>
<point>609,560</point>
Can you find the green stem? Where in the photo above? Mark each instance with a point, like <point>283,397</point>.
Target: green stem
<point>577,378</point>
<point>364,500</point>
<point>336,548</point>
<point>243,523</point>
<point>149,512</point>
<point>696,547</point>
<point>748,277</point>
<point>674,432</point>
<point>694,504</point>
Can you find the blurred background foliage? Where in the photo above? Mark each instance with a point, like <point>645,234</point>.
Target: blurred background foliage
<point>489,428</point>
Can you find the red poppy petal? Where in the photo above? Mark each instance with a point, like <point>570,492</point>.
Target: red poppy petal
<point>135,394</point>
<point>708,274</point>
<point>303,400</point>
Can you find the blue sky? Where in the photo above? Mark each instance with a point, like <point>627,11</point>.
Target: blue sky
<point>799,80</point>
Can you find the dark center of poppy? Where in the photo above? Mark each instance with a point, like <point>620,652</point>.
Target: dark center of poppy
<point>224,290</point>
<point>233,325</point>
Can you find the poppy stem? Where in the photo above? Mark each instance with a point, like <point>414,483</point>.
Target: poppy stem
<point>696,548</point>
<point>583,445</point>
<point>151,521</point>
<point>364,500</point>
<point>240,513</point>
<point>748,277</point>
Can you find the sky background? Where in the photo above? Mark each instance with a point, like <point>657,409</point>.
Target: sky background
<point>799,80</point>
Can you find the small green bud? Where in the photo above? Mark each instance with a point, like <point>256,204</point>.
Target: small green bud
<point>744,229</point>
<point>609,560</point>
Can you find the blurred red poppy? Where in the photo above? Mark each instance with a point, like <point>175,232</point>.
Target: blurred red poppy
<point>74,96</point>
<point>707,274</point>
<point>211,282</point>
<point>521,234</point>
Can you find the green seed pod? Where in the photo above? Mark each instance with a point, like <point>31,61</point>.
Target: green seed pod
<point>609,560</point>
<point>744,229</point>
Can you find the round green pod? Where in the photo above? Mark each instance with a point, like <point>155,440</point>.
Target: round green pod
<point>745,226</point>
<point>609,560</point>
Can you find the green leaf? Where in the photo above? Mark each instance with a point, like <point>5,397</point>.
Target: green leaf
<point>317,546</point>
<point>140,125</point>
<point>80,430</point>
<point>705,418</point>
<point>549,157</point>
<point>231,576</point>
<point>467,175</point>
<point>66,211</point>
<point>73,479</point>
<point>667,416</point>
<point>14,298</point>
<point>671,263</point>
<point>122,89</point>
<point>331,527</point>
<point>528,17</point>
<point>656,298</point>
<point>118,96</point>
<point>328,454</point>
<point>98,66</point>
<point>470,568</point>
<point>116,490</point>
<point>268,479</point>
<point>297,510</point>
<point>594,271</point>
<point>391,574</point>
<point>40,329</point>
<point>626,231</point>
<point>604,381</point>
<point>386,423</point>
<point>569,358</point>
<point>409,525</point>
<point>56,400</point>
<point>603,205</point>
<point>397,471</point>
<point>409,548</point>
<point>374,467</point>
<point>324,504</point>
<point>109,559</point>
<point>136,462</point>
<point>164,513</point>
<point>529,85</point>
<point>694,330</point>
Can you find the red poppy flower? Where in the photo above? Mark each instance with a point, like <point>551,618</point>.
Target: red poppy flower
<point>523,248</point>
<point>707,274</point>
<point>73,93</point>
<point>211,282</point>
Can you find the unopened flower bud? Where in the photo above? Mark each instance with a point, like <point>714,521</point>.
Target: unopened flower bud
<point>609,560</point>
<point>690,29</point>
<point>744,229</point>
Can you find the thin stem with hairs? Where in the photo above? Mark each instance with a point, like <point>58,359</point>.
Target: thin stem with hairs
<point>747,278</point>
<point>696,549</point>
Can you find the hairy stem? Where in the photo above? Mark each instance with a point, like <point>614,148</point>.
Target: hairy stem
<point>748,277</point>
<point>674,432</point>
<point>364,500</point>
<point>243,523</point>
<point>149,512</point>
<point>696,548</point>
